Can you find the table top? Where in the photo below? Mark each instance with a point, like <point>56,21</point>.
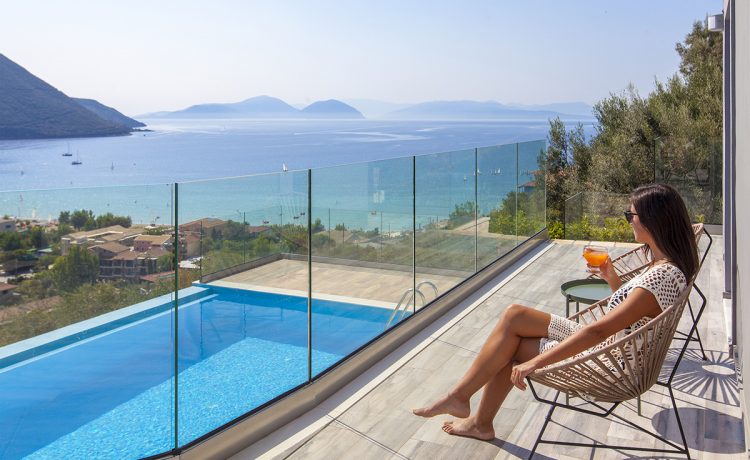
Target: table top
<point>586,291</point>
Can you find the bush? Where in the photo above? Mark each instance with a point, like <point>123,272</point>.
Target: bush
<point>556,230</point>
<point>614,229</point>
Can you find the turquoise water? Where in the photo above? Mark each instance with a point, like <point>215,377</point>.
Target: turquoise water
<point>188,150</point>
<point>112,396</point>
<point>183,150</point>
<point>218,389</point>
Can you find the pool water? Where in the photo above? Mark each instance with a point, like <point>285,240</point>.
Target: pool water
<point>112,395</point>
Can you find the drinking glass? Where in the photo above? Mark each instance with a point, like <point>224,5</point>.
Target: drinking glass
<point>595,256</point>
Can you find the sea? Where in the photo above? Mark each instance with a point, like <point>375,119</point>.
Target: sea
<point>256,171</point>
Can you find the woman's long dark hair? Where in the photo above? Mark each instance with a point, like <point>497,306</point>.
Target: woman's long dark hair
<point>661,210</point>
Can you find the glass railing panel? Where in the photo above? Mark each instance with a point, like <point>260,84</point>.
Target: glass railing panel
<point>597,216</point>
<point>362,247</point>
<point>223,242</point>
<point>695,168</point>
<point>86,350</point>
<point>531,196</point>
<point>242,338</point>
<point>496,190</point>
<point>446,222</point>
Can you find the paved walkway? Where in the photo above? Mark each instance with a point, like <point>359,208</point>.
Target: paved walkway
<point>371,418</point>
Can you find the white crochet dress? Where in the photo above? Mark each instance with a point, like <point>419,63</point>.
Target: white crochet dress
<point>664,281</point>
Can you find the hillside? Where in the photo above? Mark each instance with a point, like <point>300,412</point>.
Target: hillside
<point>32,109</point>
<point>108,113</point>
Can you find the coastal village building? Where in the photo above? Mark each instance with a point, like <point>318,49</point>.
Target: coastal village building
<point>7,225</point>
<point>5,292</point>
<point>205,226</point>
<point>117,261</point>
<point>115,233</point>
<point>191,244</point>
<point>256,231</point>
<point>145,242</point>
<point>190,234</point>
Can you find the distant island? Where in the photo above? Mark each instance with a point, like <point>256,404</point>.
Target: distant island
<point>267,107</point>
<point>264,107</point>
<point>33,109</point>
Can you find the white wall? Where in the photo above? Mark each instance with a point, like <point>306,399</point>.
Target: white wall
<point>740,19</point>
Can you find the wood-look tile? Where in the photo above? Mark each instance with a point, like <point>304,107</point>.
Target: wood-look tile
<point>337,441</point>
<point>381,422</point>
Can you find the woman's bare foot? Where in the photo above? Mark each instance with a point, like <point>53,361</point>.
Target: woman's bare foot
<point>469,428</point>
<point>446,405</point>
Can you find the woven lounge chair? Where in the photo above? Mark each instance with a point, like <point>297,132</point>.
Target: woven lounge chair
<point>618,372</point>
<point>634,262</point>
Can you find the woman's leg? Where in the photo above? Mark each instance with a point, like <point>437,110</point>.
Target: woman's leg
<point>479,425</point>
<point>517,322</point>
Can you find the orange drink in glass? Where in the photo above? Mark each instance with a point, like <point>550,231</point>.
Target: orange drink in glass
<point>595,256</point>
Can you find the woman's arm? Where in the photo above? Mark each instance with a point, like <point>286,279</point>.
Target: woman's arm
<point>638,304</point>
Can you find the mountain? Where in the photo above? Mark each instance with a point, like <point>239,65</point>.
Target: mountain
<point>331,109</point>
<point>255,107</point>
<point>470,110</point>
<point>32,109</point>
<point>263,107</point>
<point>108,113</point>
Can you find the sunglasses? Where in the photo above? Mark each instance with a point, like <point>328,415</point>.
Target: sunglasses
<point>629,216</point>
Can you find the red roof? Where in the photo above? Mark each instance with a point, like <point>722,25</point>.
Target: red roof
<point>258,229</point>
<point>7,287</point>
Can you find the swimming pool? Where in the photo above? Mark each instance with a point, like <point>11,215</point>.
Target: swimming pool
<point>108,391</point>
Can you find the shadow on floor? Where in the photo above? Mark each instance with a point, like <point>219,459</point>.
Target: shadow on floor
<point>706,429</point>
<point>713,379</point>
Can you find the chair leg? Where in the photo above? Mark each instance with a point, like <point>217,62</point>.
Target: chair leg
<point>547,419</point>
<point>693,329</point>
<point>697,334</point>
<point>679,422</point>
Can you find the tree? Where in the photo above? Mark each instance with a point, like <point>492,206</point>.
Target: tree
<point>109,219</point>
<point>64,218</point>
<point>317,226</point>
<point>461,214</point>
<point>37,237</point>
<point>10,241</point>
<point>79,218</point>
<point>80,266</point>
<point>165,263</point>
<point>668,136</point>
<point>234,231</point>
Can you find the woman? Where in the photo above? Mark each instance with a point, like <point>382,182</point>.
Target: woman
<point>532,339</point>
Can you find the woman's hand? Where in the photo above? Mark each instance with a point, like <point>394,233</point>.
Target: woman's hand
<point>607,273</point>
<point>520,371</point>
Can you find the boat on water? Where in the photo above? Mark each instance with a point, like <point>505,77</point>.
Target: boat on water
<point>284,168</point>
<point>67,154</point>
<point>77,161</point>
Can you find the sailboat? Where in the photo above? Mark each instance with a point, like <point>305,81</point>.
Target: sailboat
<point>77,161</point>
<point>68,154</point>
<point>112,167</point>
<point>284,168</point>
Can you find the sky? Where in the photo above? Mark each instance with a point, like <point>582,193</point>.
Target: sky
<point>144,56</point>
